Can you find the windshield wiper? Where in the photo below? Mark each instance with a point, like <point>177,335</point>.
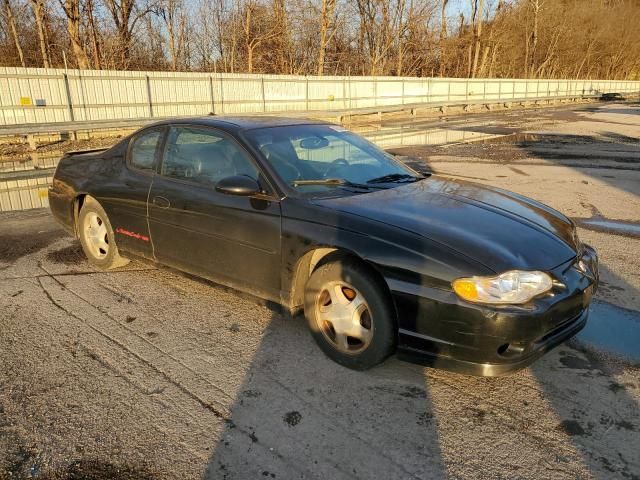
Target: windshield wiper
<point>332,181</point>
<point>395,177</point>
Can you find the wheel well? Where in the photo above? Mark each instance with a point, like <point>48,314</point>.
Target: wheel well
<point>314,259</point>
<point>77,206</point>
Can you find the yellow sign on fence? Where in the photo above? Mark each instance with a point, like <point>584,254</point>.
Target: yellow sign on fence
<point>25,101</point>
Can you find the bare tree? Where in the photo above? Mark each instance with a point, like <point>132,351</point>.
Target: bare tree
<point>382,23</point>
<point>71,9</point>
<point>95,42</point>
<point>257,29</point>
<point>327,30</point>
<point>172,13</point>
<point>535,7</point>
<point>515,38</point>
<point>443,36</point>
<point>478,11</point>
<point>125,15</point>
<point>8,10</point>
<point>37,6</point>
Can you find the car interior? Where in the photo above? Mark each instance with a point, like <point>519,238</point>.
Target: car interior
<point>204,159</point>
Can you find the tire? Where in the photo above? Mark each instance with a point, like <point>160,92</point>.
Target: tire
<point>96,236</point>
<point>343,299</point>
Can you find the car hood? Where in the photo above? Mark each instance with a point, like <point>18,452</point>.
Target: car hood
<point>500,229</point>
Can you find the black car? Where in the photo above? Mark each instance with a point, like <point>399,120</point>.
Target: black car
<point>311,216</point>
<point>612,97</point>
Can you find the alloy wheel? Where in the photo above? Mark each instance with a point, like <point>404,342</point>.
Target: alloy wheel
<point>344,318</point>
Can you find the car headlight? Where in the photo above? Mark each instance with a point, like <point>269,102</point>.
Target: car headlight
<point>515,286</point>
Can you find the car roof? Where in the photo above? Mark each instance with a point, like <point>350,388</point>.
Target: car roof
<point>242,122</point>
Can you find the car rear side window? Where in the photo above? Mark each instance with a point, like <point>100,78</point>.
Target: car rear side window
<point>204,156</point>
<point>143,148</point>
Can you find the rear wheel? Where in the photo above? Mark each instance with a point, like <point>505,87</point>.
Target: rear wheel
<point>350,315</point>
<point>96,236</point>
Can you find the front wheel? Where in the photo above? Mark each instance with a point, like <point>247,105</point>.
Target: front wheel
<point>96,236</point>
<point>350,315</point>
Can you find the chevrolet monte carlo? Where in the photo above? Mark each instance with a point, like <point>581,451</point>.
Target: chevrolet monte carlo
<point>309,215</point>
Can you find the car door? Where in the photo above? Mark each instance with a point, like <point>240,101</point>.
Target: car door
<point>127,203</point>
<point>228,238</point>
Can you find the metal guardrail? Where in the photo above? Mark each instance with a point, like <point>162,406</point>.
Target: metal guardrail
<point>340,115</point>
<point>30,96</point>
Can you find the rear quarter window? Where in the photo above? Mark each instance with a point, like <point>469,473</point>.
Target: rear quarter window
<point>143,149</point>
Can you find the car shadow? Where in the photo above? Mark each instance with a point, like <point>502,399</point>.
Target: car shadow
<point>300,415</point>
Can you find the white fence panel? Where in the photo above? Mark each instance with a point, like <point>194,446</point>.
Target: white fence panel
<point>108,95</point>
<point>422,90</point>
<point>184,95</point>
<point>36,95</point>
<point>327,93</point>
<point>241,94</point>
<point>362,91</point>
<point>285,93</point>
<point>388,91</point>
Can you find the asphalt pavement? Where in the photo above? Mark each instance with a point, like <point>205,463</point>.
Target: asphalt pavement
<point>146,373</point>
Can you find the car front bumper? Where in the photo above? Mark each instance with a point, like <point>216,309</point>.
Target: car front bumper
<point>467,367</point>
<point>438,329</point>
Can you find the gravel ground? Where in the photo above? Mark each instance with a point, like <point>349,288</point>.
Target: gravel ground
<point>145,373</point>
<point>19,150</point>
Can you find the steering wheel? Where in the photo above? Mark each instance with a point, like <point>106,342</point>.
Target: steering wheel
<point>335,166</point>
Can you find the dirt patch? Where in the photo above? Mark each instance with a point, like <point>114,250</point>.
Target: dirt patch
<point>71,255</point>
<point>97,470</point>
<point>292,418</point>
<point>14,247</point>
<point>10,149</point>
<point>20,151</point>
<point>571,428</point>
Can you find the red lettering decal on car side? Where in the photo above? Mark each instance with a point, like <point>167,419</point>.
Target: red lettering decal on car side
<point>137,236</point>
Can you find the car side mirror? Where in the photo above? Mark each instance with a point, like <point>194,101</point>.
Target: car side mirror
<point>238,185</point>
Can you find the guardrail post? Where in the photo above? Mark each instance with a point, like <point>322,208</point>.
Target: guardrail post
<point>344,93</point>
<point>349,81</point>
<point>67,90</point>
<point>375,91</point>
<point>149,96</point>
<point>221,93</point>
<point>213,103</point>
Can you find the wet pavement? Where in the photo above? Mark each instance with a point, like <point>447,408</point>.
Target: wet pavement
<point>616,227</point>
<point>613,330</point>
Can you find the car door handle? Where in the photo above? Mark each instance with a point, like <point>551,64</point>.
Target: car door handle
<point>161,202</point>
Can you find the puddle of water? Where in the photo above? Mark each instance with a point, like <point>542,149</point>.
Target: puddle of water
<point>509,138</point>
<point>618,227</point>
<point>613,329</point>
<point>404,137</point>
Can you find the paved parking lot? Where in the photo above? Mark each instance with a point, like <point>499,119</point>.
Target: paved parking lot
<point>144,373</point>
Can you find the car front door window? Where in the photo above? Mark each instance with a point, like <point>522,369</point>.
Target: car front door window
<point>204,156</point>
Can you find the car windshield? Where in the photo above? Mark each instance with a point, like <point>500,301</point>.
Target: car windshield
<point>317,158</point>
